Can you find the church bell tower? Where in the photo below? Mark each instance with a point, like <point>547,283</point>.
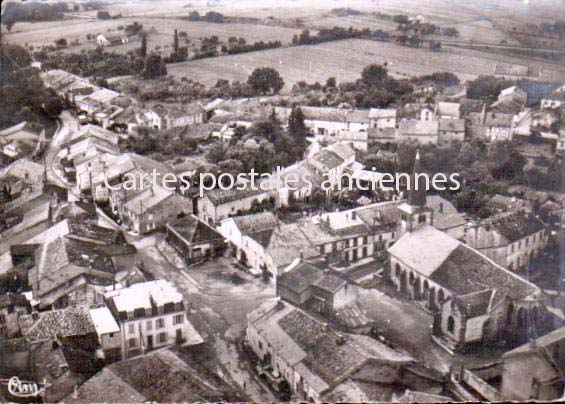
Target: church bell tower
<point>414,212</point>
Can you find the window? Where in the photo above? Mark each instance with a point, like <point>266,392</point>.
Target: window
<point>149,325</point>
<point>365,239</point>
<point>163,337</point>
<point>450,324</point>
<point>160,323</point>
<point>178,319</point>
<point>132,342</point>
<point>131,328</point>
<point>2,319</point>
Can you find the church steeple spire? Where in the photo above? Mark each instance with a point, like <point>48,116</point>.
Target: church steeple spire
<point>417,192</point>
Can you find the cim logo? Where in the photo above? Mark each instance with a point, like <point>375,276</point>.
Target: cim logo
<point>24,388</point>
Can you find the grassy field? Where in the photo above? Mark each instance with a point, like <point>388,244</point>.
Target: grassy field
<point>160,32</point>
<point>345,60</point>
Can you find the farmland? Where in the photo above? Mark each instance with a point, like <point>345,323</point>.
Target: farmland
<point>160,32</point>
<point>345,59</point>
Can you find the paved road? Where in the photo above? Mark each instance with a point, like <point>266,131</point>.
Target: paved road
<point>68,124</point>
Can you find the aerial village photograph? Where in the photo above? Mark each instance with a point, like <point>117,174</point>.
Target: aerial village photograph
<point>282,201</point>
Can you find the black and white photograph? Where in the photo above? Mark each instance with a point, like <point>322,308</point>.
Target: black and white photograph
<point>320,201</point>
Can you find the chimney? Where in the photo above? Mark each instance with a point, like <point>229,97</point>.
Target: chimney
<point>441,207</point>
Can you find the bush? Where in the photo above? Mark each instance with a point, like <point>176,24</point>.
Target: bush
<point>103,15</point>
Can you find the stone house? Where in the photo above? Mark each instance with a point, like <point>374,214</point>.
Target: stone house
<point>511,239</point>
<point>194,239</point>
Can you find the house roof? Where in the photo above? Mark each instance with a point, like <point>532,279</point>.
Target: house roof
<point>451,109</point>
<point>103,320</point>
<point>379,113</point>
<point>301,277</point>
<point>193,230</point>
<point>220,196</point>
<point>71,321</point>
<point>335,114</point>
<point>330,283</point>
<point>157,376</point>
<point>328,159</point>
<point>498,119</point>
<point>416,127</point>
<point>452,125</point>
<point>343,150</point>
<point>255,222</point>
<point>105,386</point>
<point>446,215</point>
<point>194,108</point>
<point>144,295</point>
<point>514,226</point>
<point>23,169</point>
<point>321,355</point>
<point>511,69</point>
<point>475,304</point>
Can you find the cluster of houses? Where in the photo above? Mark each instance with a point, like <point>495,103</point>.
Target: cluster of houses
<point>96,326</point>
<point>475,302</point>
<point>452,117</point>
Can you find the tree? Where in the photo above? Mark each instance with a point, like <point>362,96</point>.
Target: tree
<point>103,15</point>
<point>331,82</point>
<point>296,126</point>
<point>61,42</point>
<point>265,80</point>
<point>450,31</point>
<point>374,75</point>
<point>154,67</point>
<point>143,47</point>
<point>213,16</point>
<point>24,96</point>
<point>176,46</point>
<point>194,16</point>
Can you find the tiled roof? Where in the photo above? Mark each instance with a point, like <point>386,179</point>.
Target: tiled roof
<point>163,376</point>
<point>498,119</point>
<point>452,125</point>
<point>415,127</point>
<point>450,109</point>
<point>343,150</point>
<point>322,356</point>
<point>328,158</point>
<point>300,278</point>
<point>446,215</point>
<point>466,271</point>
<point>255,222</point>
<point>475,304</point>
<point>220,196</point>
<point>330,283</point>
<point>377,113</point>
<point>105,386</point>
<point>72,321</point>
<point>335,114</point>
<point>193,230</point>
<point>515,225</point>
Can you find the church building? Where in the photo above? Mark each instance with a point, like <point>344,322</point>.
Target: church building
<point>474,300</point>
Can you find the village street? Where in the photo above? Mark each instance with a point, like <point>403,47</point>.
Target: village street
<point>217,304</point>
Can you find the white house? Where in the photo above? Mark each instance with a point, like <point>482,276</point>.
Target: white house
<point>151,315</point>
<point>111,39</point>
<point>382,118</point>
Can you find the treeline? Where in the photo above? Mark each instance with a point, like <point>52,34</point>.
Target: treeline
<point>210,16</point>
<point>328,35</point>
<point>32,12</point>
